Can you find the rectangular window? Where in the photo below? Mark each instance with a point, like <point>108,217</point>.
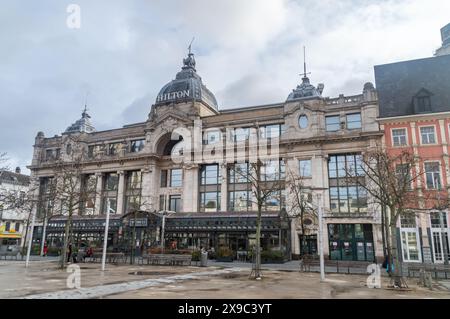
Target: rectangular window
<point>212,137</point>
<point>270,131</point>
<point>427,134</point>
<point>436,219</point>
<point>399,137</point>
<point>109,204</point>
<point>238,173</point>
<point>111,181</point>
<point>132,203</point>
<point>305,168</point>
<point>113,149</point>
<point>353,121</point>
<point>273,170</point>
<point>210,201</point>
<point>162,202</point>
<point>433,175</point>
<point>137,145</point>
<point>239,201</point>
<point>176,177</point>
<point>241,134</point>
<point>403,173</point>
<point>109,201</point>
<point>163,178</point>
<point>210,175</point>
<point>424,103</point>
<point>134,179</point>
<point>332,123</point>
<point>17,227</point>
<point>347,195</point>
<point>175,203</point>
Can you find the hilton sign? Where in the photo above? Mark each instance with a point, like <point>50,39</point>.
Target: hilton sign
<point>172,96</point>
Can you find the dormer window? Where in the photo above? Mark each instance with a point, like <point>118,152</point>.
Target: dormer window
<point>422,101</point>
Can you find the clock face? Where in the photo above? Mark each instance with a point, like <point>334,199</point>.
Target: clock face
<point>303,121</point>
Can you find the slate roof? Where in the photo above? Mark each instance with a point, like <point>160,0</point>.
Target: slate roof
<point>398,83</point>
<point>8,177</point>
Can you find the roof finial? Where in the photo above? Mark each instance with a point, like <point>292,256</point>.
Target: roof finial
<point>304,63</point>
<point>84,114</point>
<point>190,46</point>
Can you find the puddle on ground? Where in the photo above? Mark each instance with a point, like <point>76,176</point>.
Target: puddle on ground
<point>151,273</point>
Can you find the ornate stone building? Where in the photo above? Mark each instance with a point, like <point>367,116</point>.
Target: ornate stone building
<point>206,203</point>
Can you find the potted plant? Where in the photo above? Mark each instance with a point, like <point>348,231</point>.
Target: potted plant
<point>225,254</point>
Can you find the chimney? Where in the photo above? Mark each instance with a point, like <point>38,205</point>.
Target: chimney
<point>17,170</point>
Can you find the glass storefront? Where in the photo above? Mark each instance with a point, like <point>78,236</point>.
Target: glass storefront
<point>351,242</point>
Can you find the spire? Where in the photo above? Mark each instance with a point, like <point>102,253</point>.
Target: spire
<point>305,78</point>
<point>305,90</point>
<point>82,125</point>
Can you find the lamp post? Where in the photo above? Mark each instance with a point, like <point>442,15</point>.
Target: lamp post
<point>322,261</point>
<point>105,240</point>
<point>320,235</point>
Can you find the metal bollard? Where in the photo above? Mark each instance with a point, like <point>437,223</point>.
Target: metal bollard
<point>204,259</point>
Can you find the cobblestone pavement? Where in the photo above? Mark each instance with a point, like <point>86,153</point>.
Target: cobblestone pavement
<point>44,280</point>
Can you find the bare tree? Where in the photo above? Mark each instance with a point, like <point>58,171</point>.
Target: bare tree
<point>3,162</point>
<point>388,179</point>
<point>264,185</point>
<point>301,207</point>
<point>22,202</point>
<point>72,188</point>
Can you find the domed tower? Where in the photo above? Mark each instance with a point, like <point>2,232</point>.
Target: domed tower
<point>83,125</point>
<point>187,86</point>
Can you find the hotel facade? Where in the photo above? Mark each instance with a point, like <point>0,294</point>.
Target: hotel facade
<point>204,202</point>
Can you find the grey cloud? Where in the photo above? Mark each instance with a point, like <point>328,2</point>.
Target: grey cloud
<point>248,52</point>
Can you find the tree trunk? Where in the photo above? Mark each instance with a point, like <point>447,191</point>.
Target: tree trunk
<point>66,240</point>
<point>258,244</point>
<point>397,279</point>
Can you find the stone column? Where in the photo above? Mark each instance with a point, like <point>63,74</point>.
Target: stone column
<point>120,193</point>
<point>98,193</point>
<point>148,191</point>
<point>190,188</point>
<point>224,187</point>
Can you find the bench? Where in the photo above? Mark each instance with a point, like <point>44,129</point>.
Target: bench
<point>13,253</point>
<point>110,257</point>
<point>435,269</point>
<point>166,259</point>
<point>341,266</point>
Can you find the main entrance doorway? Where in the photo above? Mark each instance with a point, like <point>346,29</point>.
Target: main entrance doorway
<point>351,242</point>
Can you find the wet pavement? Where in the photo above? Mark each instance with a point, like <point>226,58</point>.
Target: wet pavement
<point>43,279</point>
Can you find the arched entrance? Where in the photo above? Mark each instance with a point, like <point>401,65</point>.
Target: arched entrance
<point>166,145</point>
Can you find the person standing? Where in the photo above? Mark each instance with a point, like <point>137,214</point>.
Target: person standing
<point>69,253</point>
<point>45,251</point>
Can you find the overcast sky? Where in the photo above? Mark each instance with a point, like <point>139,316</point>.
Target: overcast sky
<point>247,52</point>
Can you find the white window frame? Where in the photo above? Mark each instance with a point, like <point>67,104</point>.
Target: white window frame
<point>406,136</point>
<point>438,230</point>
<point>434,134</point>
<point>404,232</point>
<point>440,174</point>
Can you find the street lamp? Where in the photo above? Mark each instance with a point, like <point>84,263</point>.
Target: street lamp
<point>320,235</point>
